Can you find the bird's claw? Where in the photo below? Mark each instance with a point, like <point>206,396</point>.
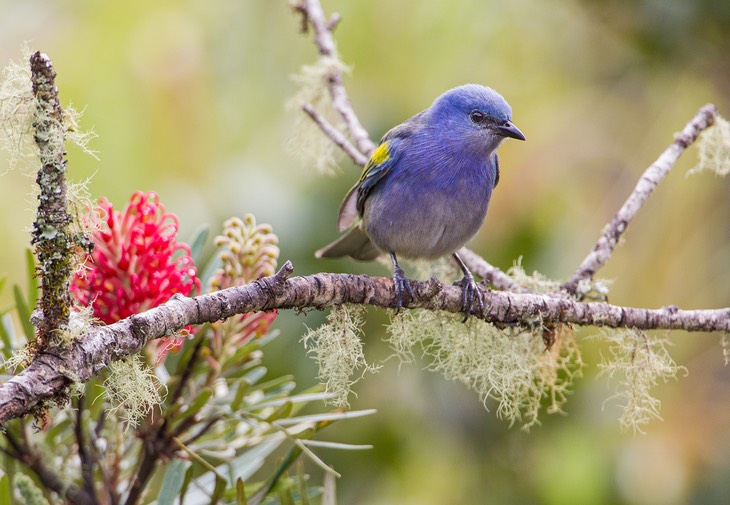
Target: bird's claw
<point>470,293</point>
<point>401,284</point>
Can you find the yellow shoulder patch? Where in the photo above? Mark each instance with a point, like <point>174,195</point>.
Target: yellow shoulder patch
<point>380,155</point>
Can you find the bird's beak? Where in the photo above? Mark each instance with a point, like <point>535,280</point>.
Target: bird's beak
<point>509,130</point>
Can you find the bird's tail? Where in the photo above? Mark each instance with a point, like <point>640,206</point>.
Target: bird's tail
<point>354,244</point>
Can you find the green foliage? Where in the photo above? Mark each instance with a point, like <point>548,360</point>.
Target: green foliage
<point>638,363</point>
<point>212,416</point>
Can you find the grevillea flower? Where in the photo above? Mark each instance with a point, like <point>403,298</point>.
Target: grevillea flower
<point>136,264</point>
<point>246,252</point>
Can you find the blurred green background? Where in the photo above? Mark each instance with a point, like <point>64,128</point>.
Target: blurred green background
<point>188,100</point>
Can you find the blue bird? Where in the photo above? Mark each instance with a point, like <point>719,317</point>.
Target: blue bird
<point>424,192</point>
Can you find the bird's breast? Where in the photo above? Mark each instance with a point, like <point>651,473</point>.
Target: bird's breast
<point>428,211</point>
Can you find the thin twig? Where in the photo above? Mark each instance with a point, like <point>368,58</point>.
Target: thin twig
<point>154,444</point>
<point>313,14</point>
<point>334,134</point>
<point>490,273</point>
<point>27,455</point>
<point>87,462</point>
<point>653,175</point>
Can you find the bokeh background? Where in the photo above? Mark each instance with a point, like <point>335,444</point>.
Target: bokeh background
<point>188,100</point>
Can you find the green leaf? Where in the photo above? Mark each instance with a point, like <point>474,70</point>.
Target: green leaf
<point>286,497</point>
<point>243,386</point>
<point>95,397</point>
<point>245,465</point>
<point>330,492</point>
<point>7,349</point>
<point>32,278</point>
<point>289,460</point>
<point>186,482</point>
<point>23,313</point>
<point>303,491</point>
<point>281,412</point>
<point>173,482</point>
<point>195,406</point>
<point>187,352</point>
<point>336,445</point>
<point>205,273</point>
<point>5,494</point>
<point>301,400</point>
<point>325,417</point>
<point>286,382</point>
<point>256,375</point>
<point>220,487</point>
<point>240,493</point>
<point>198,243</point>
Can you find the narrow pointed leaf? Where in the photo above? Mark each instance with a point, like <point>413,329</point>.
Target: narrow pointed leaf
<point>173,482</point>
<point>32,278</point>
<point>330,416</point>
<point>23,313</point>
<point>240,493</point>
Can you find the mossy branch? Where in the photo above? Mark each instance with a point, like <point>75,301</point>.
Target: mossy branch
<point>646,185</point>
<point>54,244</point>
<point>50,373</point>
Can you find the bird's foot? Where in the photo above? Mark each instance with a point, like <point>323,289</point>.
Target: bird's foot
<point>401,284</point>
<point>470,293</point>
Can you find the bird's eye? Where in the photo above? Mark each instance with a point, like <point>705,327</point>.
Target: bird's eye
<point>476,116</point>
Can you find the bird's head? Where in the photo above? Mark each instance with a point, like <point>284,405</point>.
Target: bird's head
<point>474,115</point>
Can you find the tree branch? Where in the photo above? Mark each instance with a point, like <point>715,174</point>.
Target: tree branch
<point>28,456</point>
<point>53,245</point>
<point>85,456</point>
<point>334,134</point>
<point>649,180</point>
<point>313,15</point>
<point>491,274</point>
<point>49,374</point>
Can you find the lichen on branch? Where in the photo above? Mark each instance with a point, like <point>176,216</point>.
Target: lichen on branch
<point>639,363</point>
<point>510,367</point>
<point>337,348</point>
<point>54,246</point>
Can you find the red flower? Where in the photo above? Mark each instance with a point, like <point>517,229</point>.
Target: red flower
<point>136,264</point>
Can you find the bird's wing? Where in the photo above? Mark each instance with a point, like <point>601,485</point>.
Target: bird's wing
<point>378,166</point>
<point>495,161</point>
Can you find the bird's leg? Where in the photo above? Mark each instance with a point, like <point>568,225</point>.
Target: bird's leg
<point>470,290</point>
<point>400,283</point>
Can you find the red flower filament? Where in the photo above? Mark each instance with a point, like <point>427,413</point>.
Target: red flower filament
<point>137,262</point>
